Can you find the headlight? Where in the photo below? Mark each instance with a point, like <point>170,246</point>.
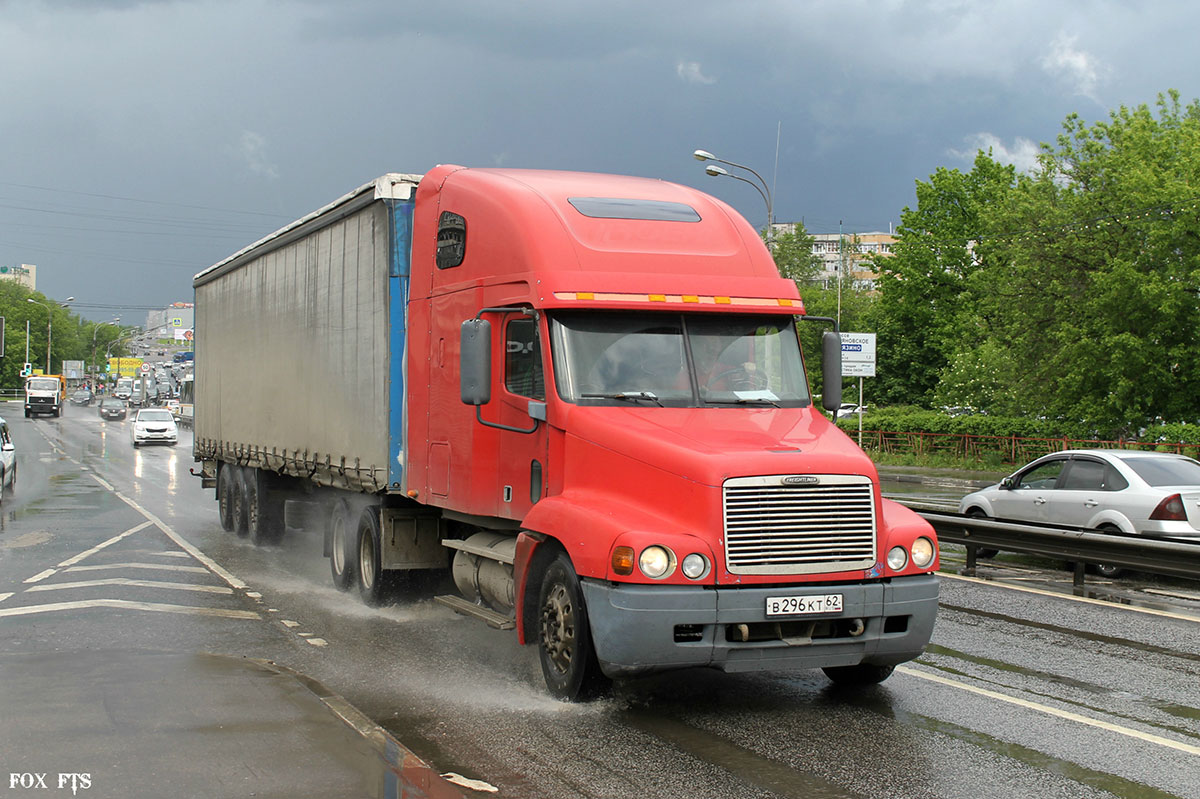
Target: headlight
<point>656,562</point>
<point>695,566</point>
<point>922,552</point>
<point>897,558</point>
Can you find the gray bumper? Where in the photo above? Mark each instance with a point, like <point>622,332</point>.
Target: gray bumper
<point>639,629</point>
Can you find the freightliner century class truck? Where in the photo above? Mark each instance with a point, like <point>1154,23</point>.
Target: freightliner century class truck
<point>580,395</point>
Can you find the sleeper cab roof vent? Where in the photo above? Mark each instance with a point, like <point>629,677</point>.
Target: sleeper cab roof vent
<point>649,210</point>
<point>451,240</point>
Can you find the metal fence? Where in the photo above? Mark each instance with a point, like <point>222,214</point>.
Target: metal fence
<point>1011,449</point>
<point>1140,553</point>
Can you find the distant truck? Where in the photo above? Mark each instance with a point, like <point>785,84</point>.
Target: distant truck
<point>45,394</point>
<point>124,388</point>
<point>582,397</point>
<point>186,356</point>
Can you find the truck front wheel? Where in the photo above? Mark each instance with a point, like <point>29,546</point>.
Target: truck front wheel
<point>565,648</point>
<point>860,675</point>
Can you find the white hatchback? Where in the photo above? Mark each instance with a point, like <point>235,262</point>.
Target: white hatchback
<point>153,426</point>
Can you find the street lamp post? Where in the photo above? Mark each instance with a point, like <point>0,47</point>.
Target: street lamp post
<point>761,186</point>
<point>49,323</point>
<point>95,332</point>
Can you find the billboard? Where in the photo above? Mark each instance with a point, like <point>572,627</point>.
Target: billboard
<point>126,367</point>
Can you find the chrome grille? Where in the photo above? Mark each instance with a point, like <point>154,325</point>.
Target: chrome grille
<point>824,524</point>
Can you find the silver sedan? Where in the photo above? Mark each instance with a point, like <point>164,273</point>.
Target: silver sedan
<point>1140,493</point>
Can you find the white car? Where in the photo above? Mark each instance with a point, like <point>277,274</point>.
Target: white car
<point>153,426</point>
<point>8,462</point>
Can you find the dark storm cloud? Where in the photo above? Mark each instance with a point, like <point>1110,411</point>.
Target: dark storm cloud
<point>136,120</point>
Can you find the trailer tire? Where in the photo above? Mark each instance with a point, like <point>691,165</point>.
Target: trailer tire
<point>371,577</point>
<point>857,676</point>
<point>341,561</point>
<point>240,520</point>
<point>565,648</point>
<point>264,515</point>
<point>225,481</point>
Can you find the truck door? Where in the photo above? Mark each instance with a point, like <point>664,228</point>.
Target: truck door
<point>523,441</point>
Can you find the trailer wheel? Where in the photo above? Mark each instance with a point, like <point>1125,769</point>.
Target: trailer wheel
<point>264,520</point>
<point>860,675</point>
<point>565,648</point>
<point>370,566</point>
<point>240,520</point>
<point>225,497</point>
<point>341,562</point>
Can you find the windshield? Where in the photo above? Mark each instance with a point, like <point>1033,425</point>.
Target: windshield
<point>681,360</point>
<point>42,384</point>
<point>1165,471</point>
<point>155,416</point>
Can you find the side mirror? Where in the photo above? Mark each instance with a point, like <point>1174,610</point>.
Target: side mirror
<point>831,370</point>
<point>475,362</point>
<point>1007,484</point>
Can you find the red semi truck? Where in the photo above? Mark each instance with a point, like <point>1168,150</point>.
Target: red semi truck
<point>582,396</point>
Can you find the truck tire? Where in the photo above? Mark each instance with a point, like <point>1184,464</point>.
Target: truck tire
<point>264,520</point>
<point>240,517</point>
<point>565,648</point>
<point>369,564</point>
<point>860,675</point>
<point>341,558</point>
<point>225,482</point>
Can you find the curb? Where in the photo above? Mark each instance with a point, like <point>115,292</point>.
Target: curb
<point>409,772</point>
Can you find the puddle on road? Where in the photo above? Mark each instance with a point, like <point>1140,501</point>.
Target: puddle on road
<point>27,540</point>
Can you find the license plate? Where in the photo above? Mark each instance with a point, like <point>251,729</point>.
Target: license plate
<point>804,605</point>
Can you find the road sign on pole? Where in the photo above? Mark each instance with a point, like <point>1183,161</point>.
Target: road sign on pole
<point>858,354</point>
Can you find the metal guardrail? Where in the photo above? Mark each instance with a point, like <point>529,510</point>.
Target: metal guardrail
<point>1153,555</point>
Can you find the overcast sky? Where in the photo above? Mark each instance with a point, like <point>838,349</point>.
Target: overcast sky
<point>141,142</point>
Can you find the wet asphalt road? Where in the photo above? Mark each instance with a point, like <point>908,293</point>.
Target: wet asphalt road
<point>1025,691</point>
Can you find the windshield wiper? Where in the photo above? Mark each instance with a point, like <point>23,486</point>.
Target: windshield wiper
<point>743,401</point>
<point>623,395</point>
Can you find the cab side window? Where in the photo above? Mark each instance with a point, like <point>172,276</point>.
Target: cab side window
<point>523,360</point>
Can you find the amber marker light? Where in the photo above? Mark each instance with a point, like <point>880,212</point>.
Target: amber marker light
<point>622,560</point>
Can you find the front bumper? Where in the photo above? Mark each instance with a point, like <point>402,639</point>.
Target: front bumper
<point>638,629</point>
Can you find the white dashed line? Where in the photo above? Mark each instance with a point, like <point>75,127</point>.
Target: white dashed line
<point>127,604</point>
<point>210,589</point>
<point>1051,711</point>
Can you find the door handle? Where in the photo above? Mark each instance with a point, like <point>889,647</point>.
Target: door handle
<point>1090,503</point>
<point>1039,500</point>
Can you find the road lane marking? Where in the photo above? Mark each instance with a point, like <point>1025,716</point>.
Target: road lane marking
<point>1051,711</point>
<point>130,605</point>
<point>180,541</point>
<point>98,547</point>
<point>37,578</point>
<point>5,596</point>
<point>1086,600</point>
<point>152,566</point>
<point>211,589</point>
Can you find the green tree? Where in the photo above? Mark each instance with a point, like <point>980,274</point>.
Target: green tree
<point>1092,288</point>
<point>793,253</point>
<point>924,315</point>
